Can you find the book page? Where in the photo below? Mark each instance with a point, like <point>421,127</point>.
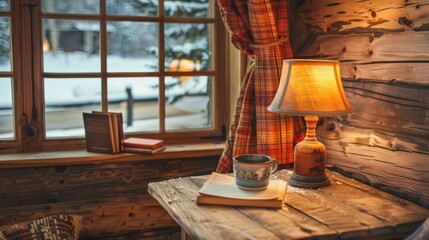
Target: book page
<point>224,186</point>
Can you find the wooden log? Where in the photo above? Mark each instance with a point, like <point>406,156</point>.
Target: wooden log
<point>367,48</point>
<point>400,110</point>
<point>344,16</point>
<point>415,73</point>
<point>368,156</point>
<point>85,182</point>
<point>101,217</point>
<point>112,197</point>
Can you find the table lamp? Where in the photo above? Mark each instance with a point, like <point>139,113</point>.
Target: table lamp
<point>310,88</point>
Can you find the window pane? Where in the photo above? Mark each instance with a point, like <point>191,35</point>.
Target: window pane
<point>4,44</point>
<point>137,99</point>
<point>132,7</point>
<point>133,47</point>
<point>71,46</point>
<point>65,100</point>
<point>75,6</point>
<point>189,8</point>
<point>4,5</point>
<point>6,110</point>
<point>189,42</point>
<point>189,103</point>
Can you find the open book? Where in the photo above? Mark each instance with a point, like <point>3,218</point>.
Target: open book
<point>221,189</point>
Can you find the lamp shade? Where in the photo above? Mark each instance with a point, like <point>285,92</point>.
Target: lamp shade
<point>310,87</point>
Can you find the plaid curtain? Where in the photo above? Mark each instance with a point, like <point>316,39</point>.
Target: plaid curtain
<point>259,28</point>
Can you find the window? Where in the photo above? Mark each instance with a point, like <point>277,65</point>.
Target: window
<point>157,62</point>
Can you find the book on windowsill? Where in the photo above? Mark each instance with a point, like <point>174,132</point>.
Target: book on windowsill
<point>143,150</point>
<point>103,132</point>
<point>220,189</point>
<point>146,143</point>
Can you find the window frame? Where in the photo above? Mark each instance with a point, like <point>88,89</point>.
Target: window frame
<point>29,114</point>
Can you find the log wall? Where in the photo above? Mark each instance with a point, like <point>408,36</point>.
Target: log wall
<point>112,197</point>
<point>383,47</point>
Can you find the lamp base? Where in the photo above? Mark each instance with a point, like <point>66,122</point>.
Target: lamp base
<point>308,182</point>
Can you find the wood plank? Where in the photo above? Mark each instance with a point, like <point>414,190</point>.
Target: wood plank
<point>356,210</point>
<point>368,48</point>
<point>275,220</point>
<point>112,197</point>
<point>189,216</point>
<point>224,216</point>
<point>335,176</point>
<point>382,208</point>
<point>104,217</point>
<point>345,16</point>
<point>415,73</point>
<point>378,158</point>
<point>18,160</point>
<point>85,182</point>
<point>398,109</point>
<point>349,208</point>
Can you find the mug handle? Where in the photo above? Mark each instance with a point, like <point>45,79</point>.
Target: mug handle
<point>276,165</point>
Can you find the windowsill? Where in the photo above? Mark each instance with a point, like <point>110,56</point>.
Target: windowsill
<point>19,160</point>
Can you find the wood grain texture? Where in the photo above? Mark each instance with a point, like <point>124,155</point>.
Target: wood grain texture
<point>337,16</point>
<point>112,197</point>
<point>415,73</point>
<point>39,159</point>
<point>369,157</point>
<point>298,225</point>
<point>386,141</point>
<point>368,48</point>
<point>346,209</point>
<point>383,48</point>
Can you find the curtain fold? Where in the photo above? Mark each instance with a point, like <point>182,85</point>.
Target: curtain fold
<point>259,28</point>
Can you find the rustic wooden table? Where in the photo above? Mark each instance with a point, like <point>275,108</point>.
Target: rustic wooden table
<point>347,209</point>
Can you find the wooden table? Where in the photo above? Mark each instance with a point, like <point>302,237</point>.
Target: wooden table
<point>347,209</point>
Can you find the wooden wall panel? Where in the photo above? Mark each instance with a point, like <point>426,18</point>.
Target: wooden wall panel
<point>345,16</point>
<point>112,197</point>
<point>371,47</point>
<point>383,47</point>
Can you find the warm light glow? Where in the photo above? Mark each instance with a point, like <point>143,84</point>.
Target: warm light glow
<point>310,87</point>
<point>46,46</point>
<point>184,65</point>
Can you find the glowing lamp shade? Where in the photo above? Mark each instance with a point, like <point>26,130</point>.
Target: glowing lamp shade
<point>310,88</point>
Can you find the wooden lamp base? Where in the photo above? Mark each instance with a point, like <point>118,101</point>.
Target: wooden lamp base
<point>310,155</point>
<point>308,182</point>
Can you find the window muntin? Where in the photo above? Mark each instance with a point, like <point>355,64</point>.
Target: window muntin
<point>79,74</point>
<point>121,45</point>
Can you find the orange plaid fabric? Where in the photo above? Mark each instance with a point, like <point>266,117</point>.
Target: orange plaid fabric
<point>260,29</point>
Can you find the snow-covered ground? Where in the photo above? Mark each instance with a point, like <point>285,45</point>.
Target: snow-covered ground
<point>73,91</point>
<point>63,94</point>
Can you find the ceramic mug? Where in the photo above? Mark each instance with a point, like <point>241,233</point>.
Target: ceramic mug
<point>253,171</point>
